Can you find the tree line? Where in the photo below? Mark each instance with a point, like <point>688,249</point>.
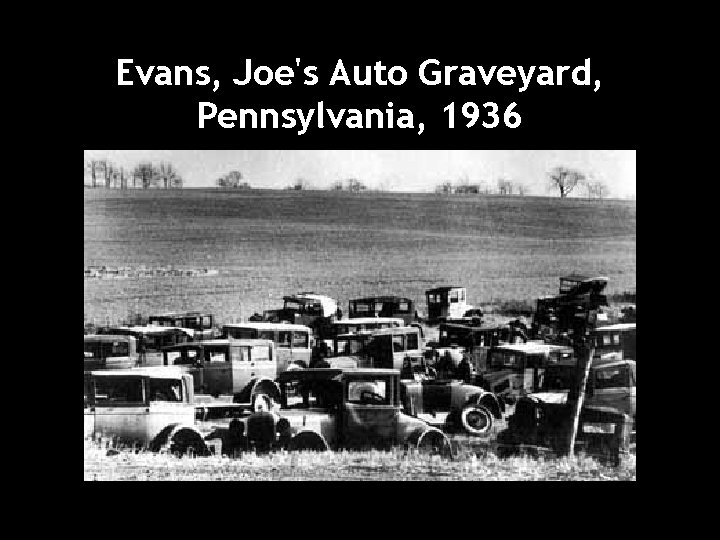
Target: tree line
<point>145,175</point>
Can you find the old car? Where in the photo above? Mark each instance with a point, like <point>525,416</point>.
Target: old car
<point>200,323</point>
<point>452,405</point>
<point>476,341</point>
<point>306,308</point>
<point>383,306</point>
<point>443,402</point>
<point>514,370</point>
<point>385,348</point>
<point>150,340</point>
<point>578,308</point>
<point>611,383</point>
<point>149,407</point>
<point>242,368</point>
<point>293,342</point>
<point>110,352</point>
<point>616,338</point>
<point>351,409</point>
<point>446,303</point>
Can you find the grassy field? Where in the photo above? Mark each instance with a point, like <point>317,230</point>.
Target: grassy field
<point>270,243</point>
<point>373,465</point>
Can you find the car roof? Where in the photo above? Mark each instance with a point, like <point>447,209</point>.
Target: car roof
<point>473,328</point>
<point>613,327</point>
<point>178,314</point>
<point>328,304</point>
<point>268,326</point>
<point>331,373</point>
<point>442,289</point>
<point>362,320</point>
<point>108,337</point>
<point>223,342</point>
<point>151,329</point>
<point>581,278</point>
<point>160,372</point>
<point>385,298</point>
<point>533,348</point>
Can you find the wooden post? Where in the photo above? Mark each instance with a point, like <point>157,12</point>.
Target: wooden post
<point>577,395</point>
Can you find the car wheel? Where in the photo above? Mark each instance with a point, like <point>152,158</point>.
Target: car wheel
<point>477,420</point>
<point>307,440</point>
<point>188,442</point>
<point>434,442</point>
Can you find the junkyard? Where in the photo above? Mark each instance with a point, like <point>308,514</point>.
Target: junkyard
<point>313,379</point>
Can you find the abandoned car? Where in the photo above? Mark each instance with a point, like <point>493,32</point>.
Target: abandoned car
<point>110,352</point>
<point>244,369</point>
<point>351,408</point>
<point>200,323</point>
<point>446,303</point>
<point>383,306</point>
<point>150,340</point>
<point>293,342</point>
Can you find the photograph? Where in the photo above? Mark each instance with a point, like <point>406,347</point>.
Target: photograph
<point>338,314</point>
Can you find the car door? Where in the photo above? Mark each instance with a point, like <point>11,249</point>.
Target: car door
<point>611,387</point>
<point>370,416</point>
<point>263,362</point>
<point>217,370</point>
<point>121,407</point>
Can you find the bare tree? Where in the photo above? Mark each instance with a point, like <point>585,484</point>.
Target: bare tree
<point>145,172</point>
<point>565,180</point>
<point>233,179</point>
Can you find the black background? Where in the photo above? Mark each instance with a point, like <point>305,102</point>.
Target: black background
<point>553,117</point>
<point>107,116</point>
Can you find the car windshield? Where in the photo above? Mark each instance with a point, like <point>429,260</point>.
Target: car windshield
<point>110,390</point>
<point>351,347</point>
<point>369,391</point>
<point>312,394</point>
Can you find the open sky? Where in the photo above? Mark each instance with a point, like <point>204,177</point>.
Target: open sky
<point>396,170</point>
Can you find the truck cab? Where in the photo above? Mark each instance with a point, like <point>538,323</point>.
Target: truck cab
<point>151,340</point>
<point>616,338</point>
<point>446,303</point>
<point>200,323</point>
<point>383,306</point>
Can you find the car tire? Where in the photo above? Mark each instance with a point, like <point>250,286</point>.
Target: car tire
<point>307,441</point>
<point>477,420</point>
<point>188,442</point>
<point>434,442</point>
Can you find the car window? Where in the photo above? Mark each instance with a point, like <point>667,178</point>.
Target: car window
<point>284,340</point>
<point>398,343</point>
<point>403,307</point>
<point>300,340</point>
<point>454,297</point>
<point>266,334</point>
<point>110,390</point>
<point>616,339</point>
<point>216,355</point>
<point>616,377</point>
<point>606,339</point>
<point>165,390</point>
<point>412,342</point>
<point>260,353</point>
<point>368,391</point>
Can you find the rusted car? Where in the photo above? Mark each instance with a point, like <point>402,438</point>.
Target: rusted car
<point>200,323</point>
<point>578,308</point>
<point>476,341</point>
<point>450,404</point>
<point>110,352</point>
<point>515,370</point>
<point>151,340</point>
<point>383,306</point>
<point>148,407</point>
<point>306,308</point>
<point>351,409</point>
<point>293,342</point>
<point>244,369</point>
<point>446,303</point>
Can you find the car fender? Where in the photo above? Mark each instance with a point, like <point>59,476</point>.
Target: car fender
<point>163,440</point>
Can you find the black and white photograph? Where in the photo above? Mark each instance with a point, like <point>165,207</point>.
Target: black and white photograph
<point>339,314</point>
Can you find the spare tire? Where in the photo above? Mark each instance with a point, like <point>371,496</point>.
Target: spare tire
<point>477,420</point>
